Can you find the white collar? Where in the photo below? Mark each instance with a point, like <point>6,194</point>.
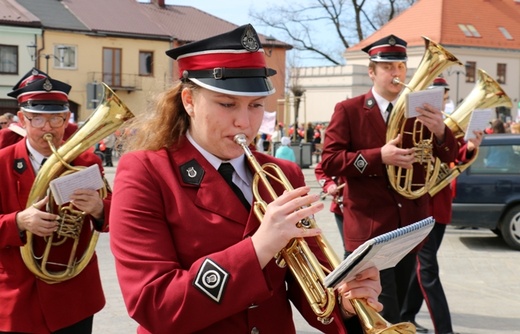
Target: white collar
<point>36,157</point>
<point>238,163</point>
<point>382,103</point>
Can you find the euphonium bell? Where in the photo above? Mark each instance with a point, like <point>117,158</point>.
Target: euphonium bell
<point>434,61</point>
<point>487,93</point>
<point>108,116</point>
<point>303,264</point>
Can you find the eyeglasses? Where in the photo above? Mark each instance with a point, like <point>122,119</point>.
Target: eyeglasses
<point>3,123</point>
<point>39,121</point>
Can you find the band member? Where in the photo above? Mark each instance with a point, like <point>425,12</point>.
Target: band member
<point>29,304</point>
<point>15,132</point>
<point>355,149</point>
<point>333,186</point>
<point>191,255</point>
<point>426,283</point>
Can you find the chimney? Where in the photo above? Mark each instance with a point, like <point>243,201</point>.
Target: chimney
<point>159,3</point>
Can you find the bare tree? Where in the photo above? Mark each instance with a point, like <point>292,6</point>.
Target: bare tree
<point>304,24</point>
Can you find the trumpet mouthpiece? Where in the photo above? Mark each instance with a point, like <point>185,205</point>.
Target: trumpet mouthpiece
<point>396,81</point>
<point>240,139</point>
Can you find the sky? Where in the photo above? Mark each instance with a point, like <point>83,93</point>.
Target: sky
<point>234,11</point>
<point>237,12</point>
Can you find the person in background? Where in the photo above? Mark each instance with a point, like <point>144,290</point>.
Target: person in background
<point>285,151</point>
<point>110,142</point>
<point>356,150</point>
<point>333,186</point>
<point>29,304</point>
<point>425,283</point>
<point>5,120</point>
<point>184,236</point>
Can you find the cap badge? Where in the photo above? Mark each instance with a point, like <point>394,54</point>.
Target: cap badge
<point>47,85</point>
<point>392,41</point>
<point>34,72</point>
<point>249,41</point>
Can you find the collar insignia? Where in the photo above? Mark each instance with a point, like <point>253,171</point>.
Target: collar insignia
<point>20,165</point>
<point>370,102</point>
<point>192,172</point>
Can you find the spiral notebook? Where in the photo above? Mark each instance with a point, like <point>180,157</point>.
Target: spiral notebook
<point>383,252</point>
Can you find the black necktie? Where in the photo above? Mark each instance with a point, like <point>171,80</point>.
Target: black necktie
<point>389,111</point>
<point>43,161</point>
<point>226,170</point>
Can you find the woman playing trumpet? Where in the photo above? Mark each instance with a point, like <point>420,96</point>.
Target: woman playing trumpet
<point>184,240</point>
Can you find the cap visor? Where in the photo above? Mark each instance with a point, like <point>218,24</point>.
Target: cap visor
<point>237,86</point>
<point>45,108</point>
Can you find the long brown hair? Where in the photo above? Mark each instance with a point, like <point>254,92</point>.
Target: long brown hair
<point>163,125</point>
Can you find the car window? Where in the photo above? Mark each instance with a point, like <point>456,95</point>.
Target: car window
<point>497,159</point>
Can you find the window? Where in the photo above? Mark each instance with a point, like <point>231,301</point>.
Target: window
<point>112,66</point>
<point>469,30</point>
<point>501,73</point>
<point>65,56</point>
<point>8,59</point>
<point>496,159</point>
<point>471,68</point>
<point>506,33</point>
<point>146,63</point>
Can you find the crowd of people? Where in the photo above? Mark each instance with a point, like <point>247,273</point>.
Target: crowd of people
<point>187,229</point>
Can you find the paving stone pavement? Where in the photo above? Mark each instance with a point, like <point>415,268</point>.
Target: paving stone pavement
<point>480,274</point>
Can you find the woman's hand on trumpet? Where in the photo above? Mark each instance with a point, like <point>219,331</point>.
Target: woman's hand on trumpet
<point>36,221</point>
<point>279,224</point>
<point>393,155</point>
<point>366,285</point>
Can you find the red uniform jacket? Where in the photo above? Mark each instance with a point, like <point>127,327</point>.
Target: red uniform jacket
<point>325,181</point>
<point>352,150</point>
<point>176,222</point>
<point>441,203</point>
<point>28,304</point>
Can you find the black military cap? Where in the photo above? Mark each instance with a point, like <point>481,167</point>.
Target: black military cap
<point>37,92</point>
<point>388,49</point>
<point>231,63</point>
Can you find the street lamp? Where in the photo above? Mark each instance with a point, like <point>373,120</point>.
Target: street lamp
<point>458,72</point>
<point>31,48</point>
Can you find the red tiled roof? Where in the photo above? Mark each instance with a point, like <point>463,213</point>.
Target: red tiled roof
<point>115,16</point>
<point>439,20</point>
<point>12,12</point>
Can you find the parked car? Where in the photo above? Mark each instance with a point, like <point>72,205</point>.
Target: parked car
<point>487,194</point>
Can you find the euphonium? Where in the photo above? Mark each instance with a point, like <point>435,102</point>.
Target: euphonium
<point>487,93</point>
<point>108,116</point>
<point>303,264</point>
<point>433,62</point>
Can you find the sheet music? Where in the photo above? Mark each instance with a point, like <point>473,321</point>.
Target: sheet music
<point>383,251</point>
<point>87,178</point>
<point>478,121</point>
<point>433,96</point>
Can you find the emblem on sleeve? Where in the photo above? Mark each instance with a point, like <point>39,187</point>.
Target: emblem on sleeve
<point>360,163</point>
<point>211,280</point>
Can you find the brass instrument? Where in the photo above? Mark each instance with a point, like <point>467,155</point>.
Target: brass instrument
<point>433,62</point>
<point>302,262</point>
<point>487,93</point>
<point>107,117</point>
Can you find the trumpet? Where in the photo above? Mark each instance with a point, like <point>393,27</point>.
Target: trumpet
<point>302,262</point>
